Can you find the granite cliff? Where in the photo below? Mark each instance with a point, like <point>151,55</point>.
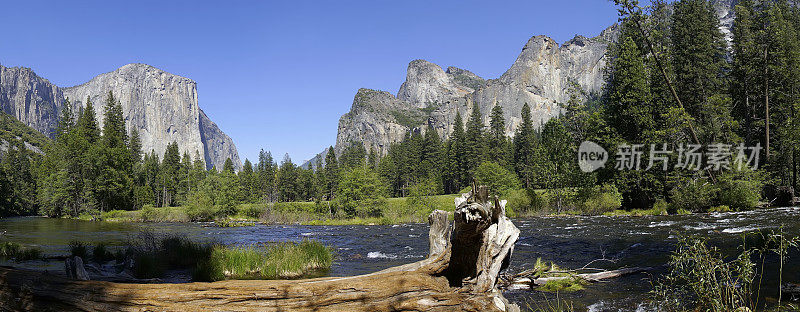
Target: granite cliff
<point>544,75</point>
<point>163,107</point>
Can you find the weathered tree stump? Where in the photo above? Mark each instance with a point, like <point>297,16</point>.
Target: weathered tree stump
<point>460,274</point>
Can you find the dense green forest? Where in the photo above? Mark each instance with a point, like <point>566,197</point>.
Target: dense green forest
<point>671,80</point>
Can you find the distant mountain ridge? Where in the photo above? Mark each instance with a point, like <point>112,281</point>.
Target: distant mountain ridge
<point>544,75</point>
<point>163,107</point>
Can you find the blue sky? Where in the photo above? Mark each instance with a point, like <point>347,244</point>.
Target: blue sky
<point>278,74</point>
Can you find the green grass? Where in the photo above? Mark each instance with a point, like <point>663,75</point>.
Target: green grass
<point>153,255</point>
<point>563,285</point>
<point>11,250</point>
<point>269,261</point>
<point>79,249</point>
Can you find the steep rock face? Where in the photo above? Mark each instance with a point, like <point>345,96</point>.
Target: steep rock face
<point>33,100</point>
<point>376,118</point>
<point>427,84</point>
<point>217,146</point>
<point>543,76</point>
<point>163,107</point>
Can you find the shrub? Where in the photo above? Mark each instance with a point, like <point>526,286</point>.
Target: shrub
<point>560,199</point>
<point>696,195</point>
<point>251,210</point>
<point>739,194</point>
<point>496,177</point>
<point>148,213</point>
<point>360,193</point>
<point>306,207</point>
<point>200,207</point>
<point>421,196</point>
<point>661,205</point>
<point>599,199</point>
<point>519,202</point>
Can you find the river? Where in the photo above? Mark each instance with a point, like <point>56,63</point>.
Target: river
<point>570,242</point>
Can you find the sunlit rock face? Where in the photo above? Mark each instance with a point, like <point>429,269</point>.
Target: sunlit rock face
<point>543,76</point>
<point>32,99</point>
<point>163,108</point>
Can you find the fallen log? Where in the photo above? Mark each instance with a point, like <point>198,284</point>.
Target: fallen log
<point>527,282</point>
<point>460,274</point>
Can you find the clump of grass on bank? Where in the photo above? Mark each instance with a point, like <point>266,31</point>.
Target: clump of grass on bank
<point>153,255</point>
<point>11,250</point>
<point>270,261</point>
<point>79,249</point>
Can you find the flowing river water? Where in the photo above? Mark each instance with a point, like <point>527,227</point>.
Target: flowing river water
<point>570,242</point>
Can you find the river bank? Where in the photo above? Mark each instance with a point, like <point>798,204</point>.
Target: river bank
<point>569,241</point>
<point>393,211</point>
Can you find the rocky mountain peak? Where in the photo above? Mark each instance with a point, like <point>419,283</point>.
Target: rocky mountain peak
<point>162,106</point>
<point>426,84</point>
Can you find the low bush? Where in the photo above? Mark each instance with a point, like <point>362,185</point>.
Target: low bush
<point>519,202</point>
<point>695,195</point>
<point>599,199</point>
<point>250,210</point>
<point>200,207</point>
<point>496,177</point>
<point>739,194</point>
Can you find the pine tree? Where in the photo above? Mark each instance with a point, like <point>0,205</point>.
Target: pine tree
<point>87,123</point>
<point>331,173</point>
<point>497,141</point>
<point>135,146</point>
<point>247,182</point>
<point>67,121</point>
<point>288,188</point>
<point>698,60</point>
<point>169,175</point>
<point>524,148</point>
<point>228,166</point>
<point>113,187</point>
<point>353,155</point>
<point>475,140</point>
<point>267,171</point>
<point>457,165</point>
<point>628,106</point>
<point>744,71</point>
<point>114,133</point>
